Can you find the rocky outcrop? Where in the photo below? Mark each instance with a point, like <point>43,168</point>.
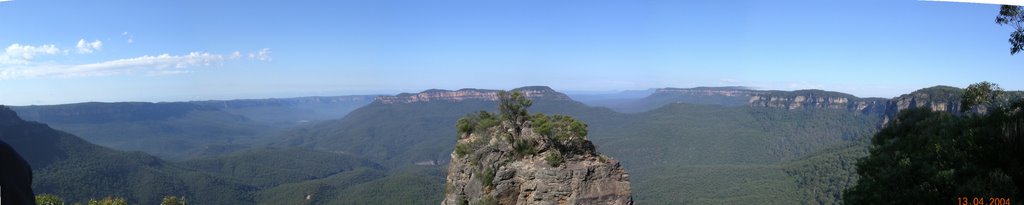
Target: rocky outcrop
<point>937,98</point>
<point>487,168</point>
<point>437,95</point>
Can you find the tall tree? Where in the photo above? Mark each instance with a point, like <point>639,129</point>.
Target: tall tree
<point>513,109</point>
<point>980,97</point>
<point>1013,16</point>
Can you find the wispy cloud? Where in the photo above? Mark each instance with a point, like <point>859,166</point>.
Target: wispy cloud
<point>261,55</point>
<point>163,64</point>
<point>16,61</point>
<point>128,37</point>
<point>88,47</point>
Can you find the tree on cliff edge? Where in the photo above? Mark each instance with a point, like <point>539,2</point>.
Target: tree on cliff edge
<point>513,109</point>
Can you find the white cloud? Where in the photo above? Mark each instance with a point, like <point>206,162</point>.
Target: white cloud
<point>23,54</point>
<point>16,61</point>
<point>89,47</point>
<point>2,1</point>
<point>129,37</point>
<point>164,64</point>
<point>161,61</point>
<point>261,55</point>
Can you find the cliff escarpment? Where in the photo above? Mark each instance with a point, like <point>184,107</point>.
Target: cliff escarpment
<point>817,99</point>
<point>939,98</point>
<point>534,159</point>
<point>438,95</point>
<point>743,96</point>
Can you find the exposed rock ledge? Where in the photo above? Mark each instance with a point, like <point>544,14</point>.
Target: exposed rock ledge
<point>584,177</point>
<point>532,92</point>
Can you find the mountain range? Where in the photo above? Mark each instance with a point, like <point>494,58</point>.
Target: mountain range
<point>732,145</point>
<point>179,130</point>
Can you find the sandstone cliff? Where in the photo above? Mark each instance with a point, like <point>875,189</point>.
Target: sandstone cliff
<point>435,95</point>
<point>543,164</point>
<point>743,96</point>
<point>817,99</point>
<point>937,98</point>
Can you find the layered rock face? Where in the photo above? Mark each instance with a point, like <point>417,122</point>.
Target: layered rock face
<point>938,98</point>
<point>800,99</point>
<point>494,171</point>
<point>817,99</point>
<point>710,91</point>
<point>532,92</point>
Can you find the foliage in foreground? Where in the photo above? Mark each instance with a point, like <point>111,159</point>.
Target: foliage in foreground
<point>108,201</point>
<point>569,136</point>
<point>50,199</point>
<point>926,157</point>
<point>173,200</point>
<point>1014,16</point>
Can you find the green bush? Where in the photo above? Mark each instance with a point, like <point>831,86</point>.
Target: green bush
<point>524,147</point>
<point>172,200</point>
<point>109,201</point>
<point>487,177</point>
<point>554,159</point>
<point>488,200</point>
<point>48,199</point>
<point>541,124</point>
<point>461,149</point>
<point>513,107</point>
<point>464,125</point>
<point>486,123</point>
<point>559,127</point>
<point>475,122</point>
<point>566,132</point>
<point>930,157</point>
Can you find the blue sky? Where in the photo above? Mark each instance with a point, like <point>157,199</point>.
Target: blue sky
<point>76,51</point>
